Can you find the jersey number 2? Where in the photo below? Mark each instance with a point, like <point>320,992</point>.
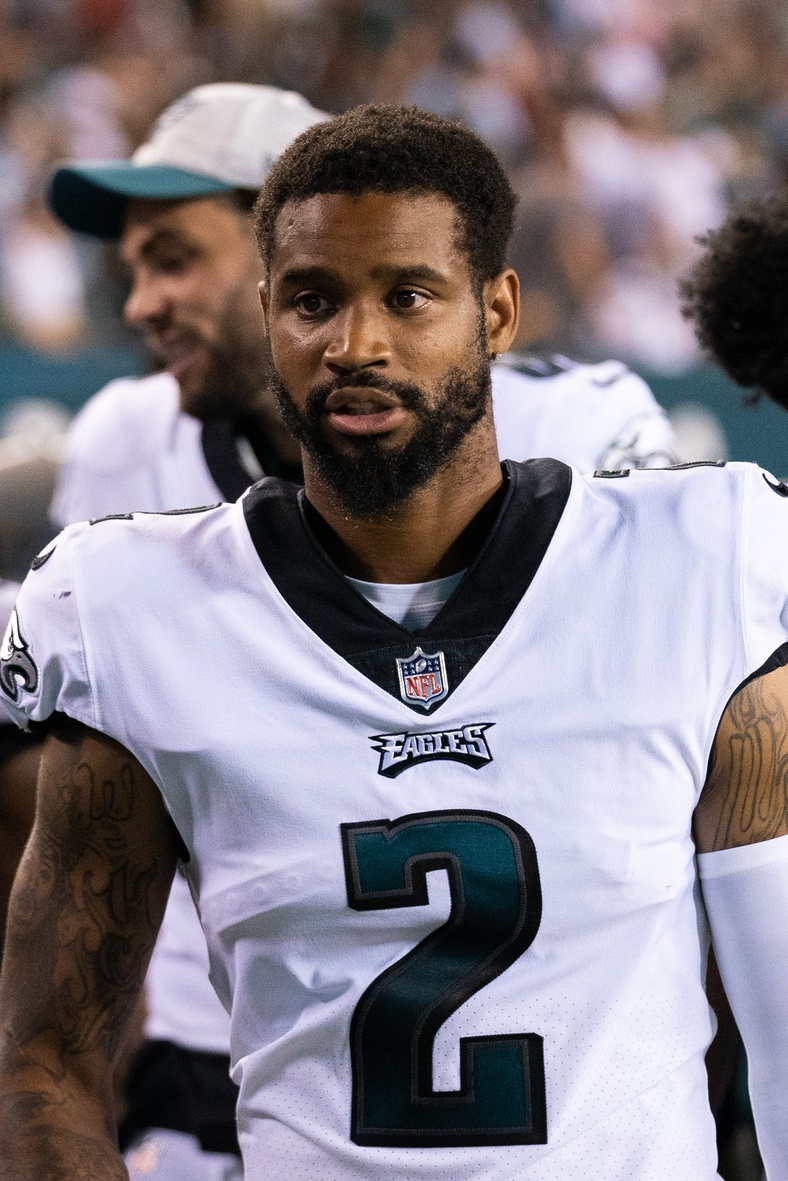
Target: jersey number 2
<point>496,908</point>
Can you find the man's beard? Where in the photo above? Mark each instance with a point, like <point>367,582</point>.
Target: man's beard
<point>236,374</point>
<point>377,478</point>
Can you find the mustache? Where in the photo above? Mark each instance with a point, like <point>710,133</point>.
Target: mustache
<point>410,396</point>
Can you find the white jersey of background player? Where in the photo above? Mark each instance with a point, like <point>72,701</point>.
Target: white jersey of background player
<point>132,447</point>
<point>345,788</point>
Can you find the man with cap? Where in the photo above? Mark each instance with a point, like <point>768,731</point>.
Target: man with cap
<point>180,209</point>
<point>201,430</point>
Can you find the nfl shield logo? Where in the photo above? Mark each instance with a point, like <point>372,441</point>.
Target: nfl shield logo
<point>422,678</point>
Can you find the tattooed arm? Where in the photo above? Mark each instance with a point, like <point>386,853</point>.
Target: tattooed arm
<point>18,775</point>
<point>85,910</point>
<point>741,830</point>
<point>745,799</point>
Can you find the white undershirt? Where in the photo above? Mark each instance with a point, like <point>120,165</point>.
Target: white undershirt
<point>411,604</point>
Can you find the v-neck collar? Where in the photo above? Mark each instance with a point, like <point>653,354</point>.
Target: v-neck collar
<point>466,625</point>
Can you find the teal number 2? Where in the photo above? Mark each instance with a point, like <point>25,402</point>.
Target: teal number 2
<point>495,914</point>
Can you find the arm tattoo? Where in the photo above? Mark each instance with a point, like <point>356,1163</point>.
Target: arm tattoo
<point>746,795</point>
<point>86,897</point>
<point>86,906</point>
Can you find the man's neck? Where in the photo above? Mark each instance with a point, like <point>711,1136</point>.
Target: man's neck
<point>437,531</point>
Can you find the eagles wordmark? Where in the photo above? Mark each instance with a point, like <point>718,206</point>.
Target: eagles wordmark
<point>467,744</point>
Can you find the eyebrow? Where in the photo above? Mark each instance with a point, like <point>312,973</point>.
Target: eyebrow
<point>163,238</point>
<point>417,273</point>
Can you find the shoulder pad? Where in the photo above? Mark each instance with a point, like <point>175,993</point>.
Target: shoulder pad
<point>165,512</point>
<point>532,366</point>
<point>683,467</point>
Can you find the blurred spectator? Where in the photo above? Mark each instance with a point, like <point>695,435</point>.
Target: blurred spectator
<point>628,126</point>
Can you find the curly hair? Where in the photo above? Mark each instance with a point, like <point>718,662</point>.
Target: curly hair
<point>390,149</point>
<point>736,296</point>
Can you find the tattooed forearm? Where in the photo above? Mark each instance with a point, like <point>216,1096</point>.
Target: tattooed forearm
<point>87,903</point>
<point>745,799</point>
<point>58,1157</point>
<point>81,897</point>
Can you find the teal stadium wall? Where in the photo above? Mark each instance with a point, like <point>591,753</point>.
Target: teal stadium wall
<point>757,433</point>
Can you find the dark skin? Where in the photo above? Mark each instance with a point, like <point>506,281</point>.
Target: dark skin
<point>87,904</point>
<point>379,283</point>
<point>94,880</point>
<point>18,774</point>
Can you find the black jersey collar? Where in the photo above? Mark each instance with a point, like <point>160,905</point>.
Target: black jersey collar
<point>219,441</point>
<point>466,625</point>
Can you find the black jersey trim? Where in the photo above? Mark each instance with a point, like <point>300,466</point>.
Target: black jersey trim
<point>685,467</point>
<point>111,517</point>
<point>780,487</point>
<point>219,446</point>
<point>41,559</point>
<point>778,659</point>
<point>221,456</point>
<point>534,500</point>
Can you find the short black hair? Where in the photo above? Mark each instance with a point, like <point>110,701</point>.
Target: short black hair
<point>736,296</point>
<point>391,149</point>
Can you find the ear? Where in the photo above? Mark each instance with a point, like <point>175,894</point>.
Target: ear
<point>262,291</point>
<point>501,297</point>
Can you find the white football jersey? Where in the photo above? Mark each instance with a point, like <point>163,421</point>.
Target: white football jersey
<point>589,416</point>
<point>131,447</point>
<point>447,877</point>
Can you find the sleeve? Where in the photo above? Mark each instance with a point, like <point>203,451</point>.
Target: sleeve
<point>745,891</point>
<point>112,447</point>
<point>79,480</point>
<point>43,669</point>
<point>764,568</point>
<point>590,416</point>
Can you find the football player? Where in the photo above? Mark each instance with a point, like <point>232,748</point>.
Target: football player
<point>181,207</point>
<point>205,427</point>
<point>455,753</point>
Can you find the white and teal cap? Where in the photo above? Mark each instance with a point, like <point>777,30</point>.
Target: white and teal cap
<point>216,138</point>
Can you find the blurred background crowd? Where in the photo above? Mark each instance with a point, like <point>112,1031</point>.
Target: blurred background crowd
<point>628,126</point>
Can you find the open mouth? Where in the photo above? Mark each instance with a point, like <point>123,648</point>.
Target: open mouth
<point>363,411</point>
<point>177,354</point>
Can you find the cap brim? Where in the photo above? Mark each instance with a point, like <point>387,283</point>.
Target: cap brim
<point>91,196</point>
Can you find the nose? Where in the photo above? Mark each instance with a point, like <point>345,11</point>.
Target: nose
<point>146,302</point>
<point>359,340</point>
